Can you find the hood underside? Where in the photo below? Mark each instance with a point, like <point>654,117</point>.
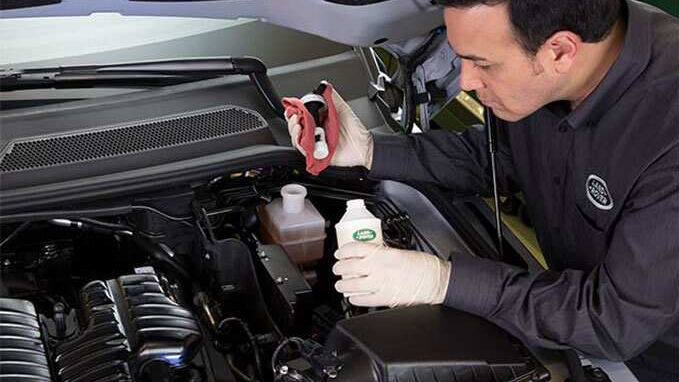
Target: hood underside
<point>358,23</point>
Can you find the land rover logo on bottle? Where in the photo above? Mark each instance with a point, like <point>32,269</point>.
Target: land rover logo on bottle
<point>364,235</point>
<point>597,193</point>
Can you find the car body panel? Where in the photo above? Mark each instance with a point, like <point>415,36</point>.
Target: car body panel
<point>106,177</point>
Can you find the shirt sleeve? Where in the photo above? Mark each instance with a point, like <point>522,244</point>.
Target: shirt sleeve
<point>615,311</point>
<point>459,162</point>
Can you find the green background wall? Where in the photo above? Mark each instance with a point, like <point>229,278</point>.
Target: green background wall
<point>669,6</point>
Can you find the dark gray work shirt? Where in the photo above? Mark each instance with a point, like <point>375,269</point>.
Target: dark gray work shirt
<point>602,188</point>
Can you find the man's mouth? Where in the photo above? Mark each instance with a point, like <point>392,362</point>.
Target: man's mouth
<point>486,102</point>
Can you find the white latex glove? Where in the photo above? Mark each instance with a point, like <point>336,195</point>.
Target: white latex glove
<point>355,144</point>
<point>376,275</point>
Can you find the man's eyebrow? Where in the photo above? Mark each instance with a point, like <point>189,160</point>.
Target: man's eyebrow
<point>472,57</point>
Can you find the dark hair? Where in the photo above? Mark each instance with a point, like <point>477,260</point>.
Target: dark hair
<point>534,21</point>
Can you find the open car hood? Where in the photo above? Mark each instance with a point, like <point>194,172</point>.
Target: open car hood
<point>51,153</point>
<point>353,22</point>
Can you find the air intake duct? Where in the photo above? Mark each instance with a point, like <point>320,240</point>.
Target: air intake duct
<point>131,326</point>
<point>22,354</point>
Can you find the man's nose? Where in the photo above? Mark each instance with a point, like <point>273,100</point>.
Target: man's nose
<point>469,79</point>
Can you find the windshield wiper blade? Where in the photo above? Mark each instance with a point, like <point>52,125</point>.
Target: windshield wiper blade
<point>20,80</point>
<point>147,73</point>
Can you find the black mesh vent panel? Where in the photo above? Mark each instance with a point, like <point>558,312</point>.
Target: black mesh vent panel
<point>135,137</point>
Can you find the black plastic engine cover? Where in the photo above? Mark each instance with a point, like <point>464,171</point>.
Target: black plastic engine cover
<point>22,354</point>
<point>131,326</point>
<point>429,343</point>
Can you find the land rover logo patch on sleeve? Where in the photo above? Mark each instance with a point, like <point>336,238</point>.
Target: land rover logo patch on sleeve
<point>597,193</point>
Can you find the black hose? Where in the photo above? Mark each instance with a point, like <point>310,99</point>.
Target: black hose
<point>52,214</point>
<point>102,224</point>
<point>157,253</point>
<point>251,339</point>
<point>14,233</point>
<point>181,219</point>
<point>240,373</point>
<point>154,250</point>
<point>274,357</point>
<point>94,212</point>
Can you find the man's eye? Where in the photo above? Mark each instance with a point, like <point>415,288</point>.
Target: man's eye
<point>481,66</point>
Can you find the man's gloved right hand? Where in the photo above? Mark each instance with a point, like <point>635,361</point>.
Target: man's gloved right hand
<point>355,145</point>
<point>376,275</point>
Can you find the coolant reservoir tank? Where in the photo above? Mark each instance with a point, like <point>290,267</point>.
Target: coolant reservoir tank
<point>293,222</point>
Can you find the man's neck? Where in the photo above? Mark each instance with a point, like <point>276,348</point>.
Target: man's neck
<point>598,60</point>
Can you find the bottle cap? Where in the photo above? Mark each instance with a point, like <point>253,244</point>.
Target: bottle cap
<point>356,203</point>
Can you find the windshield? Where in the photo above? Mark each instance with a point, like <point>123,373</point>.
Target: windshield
<point>36,40</point>
<point>108,38</point>
<point>111,38</point>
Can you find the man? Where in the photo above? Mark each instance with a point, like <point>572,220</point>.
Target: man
<point>588,92</point>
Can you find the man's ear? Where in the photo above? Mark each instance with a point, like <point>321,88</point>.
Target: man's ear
<point>561,49</point>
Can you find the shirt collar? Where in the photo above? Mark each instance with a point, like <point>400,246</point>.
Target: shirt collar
<point>633,59</point>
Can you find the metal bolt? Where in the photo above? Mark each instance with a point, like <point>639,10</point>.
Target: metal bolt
<point>7,263</point>
<point>331,372</point>
<point>279,280</point>
<point>283,369</point>
<point>598,374</point>
<point>48,251</point>
<point>207,256</point>
<point>262,254</point>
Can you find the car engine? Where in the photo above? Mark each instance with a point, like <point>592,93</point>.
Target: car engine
<point>180,285</point>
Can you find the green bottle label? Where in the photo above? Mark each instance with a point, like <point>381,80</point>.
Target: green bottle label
<point>364,234</point>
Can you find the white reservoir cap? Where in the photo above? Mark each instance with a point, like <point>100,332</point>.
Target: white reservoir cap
<point>293,198</point>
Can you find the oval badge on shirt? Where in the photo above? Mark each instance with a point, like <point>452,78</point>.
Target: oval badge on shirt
<point>597,193</point>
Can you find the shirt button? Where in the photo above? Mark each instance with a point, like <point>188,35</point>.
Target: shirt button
<point>557,180</point>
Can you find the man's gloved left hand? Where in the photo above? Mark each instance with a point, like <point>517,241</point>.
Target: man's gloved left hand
<point>355,142</point>
<point>376,275</point>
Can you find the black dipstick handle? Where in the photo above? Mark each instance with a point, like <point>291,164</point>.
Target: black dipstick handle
<point>315,103</point>
<point>315,108</point>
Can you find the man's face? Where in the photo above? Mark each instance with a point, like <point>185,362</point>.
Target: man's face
<point>494,65</point>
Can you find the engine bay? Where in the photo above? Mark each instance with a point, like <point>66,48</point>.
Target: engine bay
<point>183,285</point>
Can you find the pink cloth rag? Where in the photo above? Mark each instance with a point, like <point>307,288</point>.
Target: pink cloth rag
<point>306,138</point>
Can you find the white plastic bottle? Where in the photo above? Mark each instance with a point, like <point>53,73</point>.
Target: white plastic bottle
<point>358,224</point>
